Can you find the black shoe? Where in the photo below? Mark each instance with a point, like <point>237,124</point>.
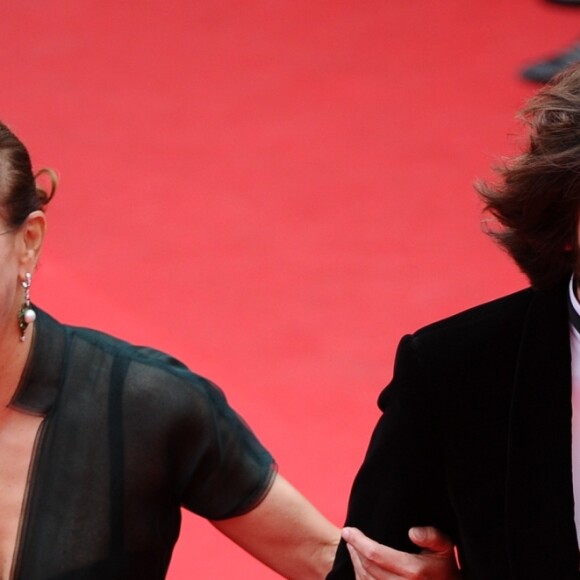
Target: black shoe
<point>543,70</point>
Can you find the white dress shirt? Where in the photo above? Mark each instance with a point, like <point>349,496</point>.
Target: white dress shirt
<point>575,352</point>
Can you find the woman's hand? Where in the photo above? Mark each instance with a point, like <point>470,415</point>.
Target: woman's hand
<point>373,561</point>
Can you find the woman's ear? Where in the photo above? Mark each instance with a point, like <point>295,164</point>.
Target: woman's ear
<point>31,238</point>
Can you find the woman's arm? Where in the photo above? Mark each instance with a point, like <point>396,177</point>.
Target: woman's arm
<point>285,532</point>
<point>288,534</point>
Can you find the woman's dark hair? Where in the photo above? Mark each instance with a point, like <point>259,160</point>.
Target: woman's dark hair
<point>537,199</point>
<point>19,193</point>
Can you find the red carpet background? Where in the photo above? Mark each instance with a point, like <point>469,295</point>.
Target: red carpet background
<point>272,191</point>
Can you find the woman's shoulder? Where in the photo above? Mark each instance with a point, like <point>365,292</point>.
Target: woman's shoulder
<point>146,371</point>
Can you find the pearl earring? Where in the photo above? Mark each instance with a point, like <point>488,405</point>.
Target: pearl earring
<point>26,314</point>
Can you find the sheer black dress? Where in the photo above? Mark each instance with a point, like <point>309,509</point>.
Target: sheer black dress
<point>129,435</point>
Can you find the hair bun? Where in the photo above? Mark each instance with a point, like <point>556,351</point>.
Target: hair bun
<point>47,174</point>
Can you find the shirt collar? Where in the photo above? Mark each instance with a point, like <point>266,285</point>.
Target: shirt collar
<point>44,370</point>
<point>573,306</point>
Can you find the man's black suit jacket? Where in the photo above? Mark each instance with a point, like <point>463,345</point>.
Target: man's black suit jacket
<point>475,438</point>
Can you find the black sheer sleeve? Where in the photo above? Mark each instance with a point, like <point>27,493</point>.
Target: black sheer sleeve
<point>219,467</point>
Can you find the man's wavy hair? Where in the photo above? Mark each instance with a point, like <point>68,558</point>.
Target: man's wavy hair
<point>537,199</point>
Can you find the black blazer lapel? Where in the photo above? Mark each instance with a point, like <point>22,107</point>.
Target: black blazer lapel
<point>541,535</point>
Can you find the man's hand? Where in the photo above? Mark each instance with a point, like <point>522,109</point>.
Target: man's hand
<point>373,561</point>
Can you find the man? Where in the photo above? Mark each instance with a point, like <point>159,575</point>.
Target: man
<point>478,436</point>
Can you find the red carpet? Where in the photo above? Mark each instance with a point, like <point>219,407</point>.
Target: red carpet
<point>272,191</point>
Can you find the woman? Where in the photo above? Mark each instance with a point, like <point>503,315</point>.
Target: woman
<point>117,438</point>
<point>102,443</point>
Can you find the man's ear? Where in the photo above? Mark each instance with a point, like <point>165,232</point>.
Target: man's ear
<point>31,234</point>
